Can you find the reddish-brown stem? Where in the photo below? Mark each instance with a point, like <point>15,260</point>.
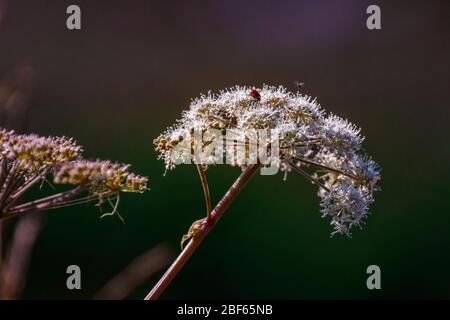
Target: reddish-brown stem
<point>204,229</point>
<point>43,203</point>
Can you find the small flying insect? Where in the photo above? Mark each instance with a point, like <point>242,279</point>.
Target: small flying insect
<point>299,84</point>
<point>255,94</point>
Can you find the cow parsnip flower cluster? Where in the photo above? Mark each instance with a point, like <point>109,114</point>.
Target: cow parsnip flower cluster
<point>324,148</point>
<point>27,159</point>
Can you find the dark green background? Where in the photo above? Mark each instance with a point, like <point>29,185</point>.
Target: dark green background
<point>134,66</point>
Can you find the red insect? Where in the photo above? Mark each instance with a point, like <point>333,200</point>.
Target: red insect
<point>255,94</point>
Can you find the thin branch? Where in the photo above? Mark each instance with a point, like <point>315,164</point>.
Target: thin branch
<point>302,143</point>
<point>7,184</point>
<point>3,171</point>
<point>44,203</point>
<point>73,202</point>
<point>201,233</point>
<point>16,195</point>
<point>53,197</point>
<point>308,176</point>
<point>324,167</point>
<point>16,183</point>
<point>201,173</point>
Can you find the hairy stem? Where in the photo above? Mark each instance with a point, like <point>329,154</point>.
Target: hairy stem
<point>204,229</point>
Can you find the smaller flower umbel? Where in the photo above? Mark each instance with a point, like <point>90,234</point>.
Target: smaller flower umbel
<point>29,160</point>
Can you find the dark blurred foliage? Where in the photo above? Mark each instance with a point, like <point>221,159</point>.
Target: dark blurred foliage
<point>134,66</point>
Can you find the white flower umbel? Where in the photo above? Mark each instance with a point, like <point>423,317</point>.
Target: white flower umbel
<point>293,131</point>
<point>325,149</point>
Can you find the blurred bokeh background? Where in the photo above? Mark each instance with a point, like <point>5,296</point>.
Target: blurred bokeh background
<point>128,73</point>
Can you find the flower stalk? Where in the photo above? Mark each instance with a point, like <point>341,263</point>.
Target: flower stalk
<point>200,234</point>
<point>201,173</point>
<point>245,127</point>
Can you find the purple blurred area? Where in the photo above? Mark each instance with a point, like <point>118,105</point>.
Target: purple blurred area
<point>151,57</point>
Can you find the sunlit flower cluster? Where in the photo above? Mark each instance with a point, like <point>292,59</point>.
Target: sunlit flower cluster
<point>325,149</point>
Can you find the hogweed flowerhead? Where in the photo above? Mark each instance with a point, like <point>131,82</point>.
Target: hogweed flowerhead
<point>27,159</point>
<point>297,136</point>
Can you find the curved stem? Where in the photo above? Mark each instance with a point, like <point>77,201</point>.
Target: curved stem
<point>204,229</point>
<point>201,173</point>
